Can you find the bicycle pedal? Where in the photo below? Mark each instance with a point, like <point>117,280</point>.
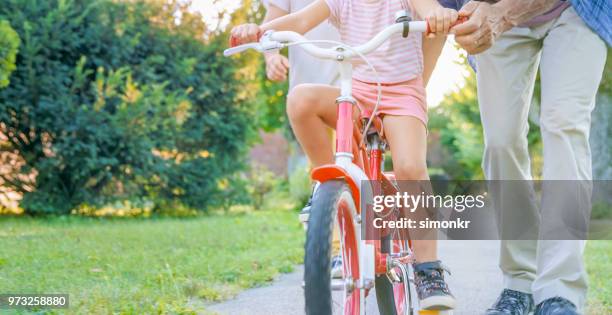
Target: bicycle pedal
<point>392,270</point>
<point>393,276</point>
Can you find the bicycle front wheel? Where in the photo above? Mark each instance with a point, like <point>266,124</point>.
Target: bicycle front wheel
<point>331,213</point>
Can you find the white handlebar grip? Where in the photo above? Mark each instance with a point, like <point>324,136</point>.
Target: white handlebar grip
<point>241,48</point>
<point>418,26</point>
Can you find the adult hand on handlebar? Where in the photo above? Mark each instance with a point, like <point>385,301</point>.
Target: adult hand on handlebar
<point>245,33</point>
<point>440,20</point>
<point>485,24</point>
<point>276,66</point>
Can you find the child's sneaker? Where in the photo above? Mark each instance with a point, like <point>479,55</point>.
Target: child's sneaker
<point>431,288</point>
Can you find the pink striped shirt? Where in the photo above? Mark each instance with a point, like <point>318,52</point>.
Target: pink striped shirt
<point>398,59</point>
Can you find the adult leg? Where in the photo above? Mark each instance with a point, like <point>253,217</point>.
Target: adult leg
<point>573,59</point>
<point>312,111</point>
<point>506,75</point>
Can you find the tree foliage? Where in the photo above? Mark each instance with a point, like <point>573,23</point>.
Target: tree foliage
<point>116,99</point>
<point>457,120</point>
<point>9,44</point>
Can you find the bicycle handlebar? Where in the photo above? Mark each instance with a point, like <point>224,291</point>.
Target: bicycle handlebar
<point>241,48</point>
<point>276,40</point>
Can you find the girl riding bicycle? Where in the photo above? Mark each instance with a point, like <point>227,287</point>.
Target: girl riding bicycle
<point>399,64</point>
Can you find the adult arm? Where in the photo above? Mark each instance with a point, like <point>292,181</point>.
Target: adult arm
<point>488,20</point>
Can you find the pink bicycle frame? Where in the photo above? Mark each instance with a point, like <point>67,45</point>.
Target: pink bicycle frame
<point>344,166</point>
<point>350,162</point>
<point>344,125</point>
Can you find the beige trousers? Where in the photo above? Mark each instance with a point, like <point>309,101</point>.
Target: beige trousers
<point>571,59</point>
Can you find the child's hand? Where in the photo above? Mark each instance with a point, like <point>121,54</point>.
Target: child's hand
<point>277,66</point>
<point>245,33</point>
<point>440,21</point>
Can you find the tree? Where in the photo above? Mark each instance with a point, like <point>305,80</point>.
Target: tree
<point>9,44</point>
<point>119,99</point>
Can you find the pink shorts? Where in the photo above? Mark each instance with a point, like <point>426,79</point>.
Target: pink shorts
<point>397,99</point>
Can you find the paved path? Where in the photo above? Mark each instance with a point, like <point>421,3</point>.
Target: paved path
<point>475,282</point>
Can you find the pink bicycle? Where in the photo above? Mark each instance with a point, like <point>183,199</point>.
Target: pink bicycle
<point>383,264</point>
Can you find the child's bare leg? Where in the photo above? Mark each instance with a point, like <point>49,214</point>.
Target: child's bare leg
<point>312,111</point>
<point>407,138</point>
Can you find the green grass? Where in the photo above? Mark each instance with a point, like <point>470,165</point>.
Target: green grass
<point>167,265</point>
<point>598,258</point>
<point>137,266</point>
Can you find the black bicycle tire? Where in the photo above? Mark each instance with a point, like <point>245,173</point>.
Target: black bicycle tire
<point>318,247</point>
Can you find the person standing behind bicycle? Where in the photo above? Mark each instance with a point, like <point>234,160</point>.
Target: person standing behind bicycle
<point>301,66</point>
<point>399,64</point>
<point>542,275</point>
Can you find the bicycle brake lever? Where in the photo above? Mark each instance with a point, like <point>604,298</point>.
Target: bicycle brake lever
<point>267,44</point>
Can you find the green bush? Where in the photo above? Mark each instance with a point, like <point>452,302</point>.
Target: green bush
<point>601,210</point>
<point>118,99</point>
<point>9,44</point>
<point>261,182</point>
<point>234,191</point>
<point>457,120</point>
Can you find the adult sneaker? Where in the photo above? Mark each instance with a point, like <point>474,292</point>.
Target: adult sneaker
<point>512,302</point>
<point>556,306</point>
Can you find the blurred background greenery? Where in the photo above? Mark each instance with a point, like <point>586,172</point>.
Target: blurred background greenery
<point>131,101</point>
<point>130,104</point>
